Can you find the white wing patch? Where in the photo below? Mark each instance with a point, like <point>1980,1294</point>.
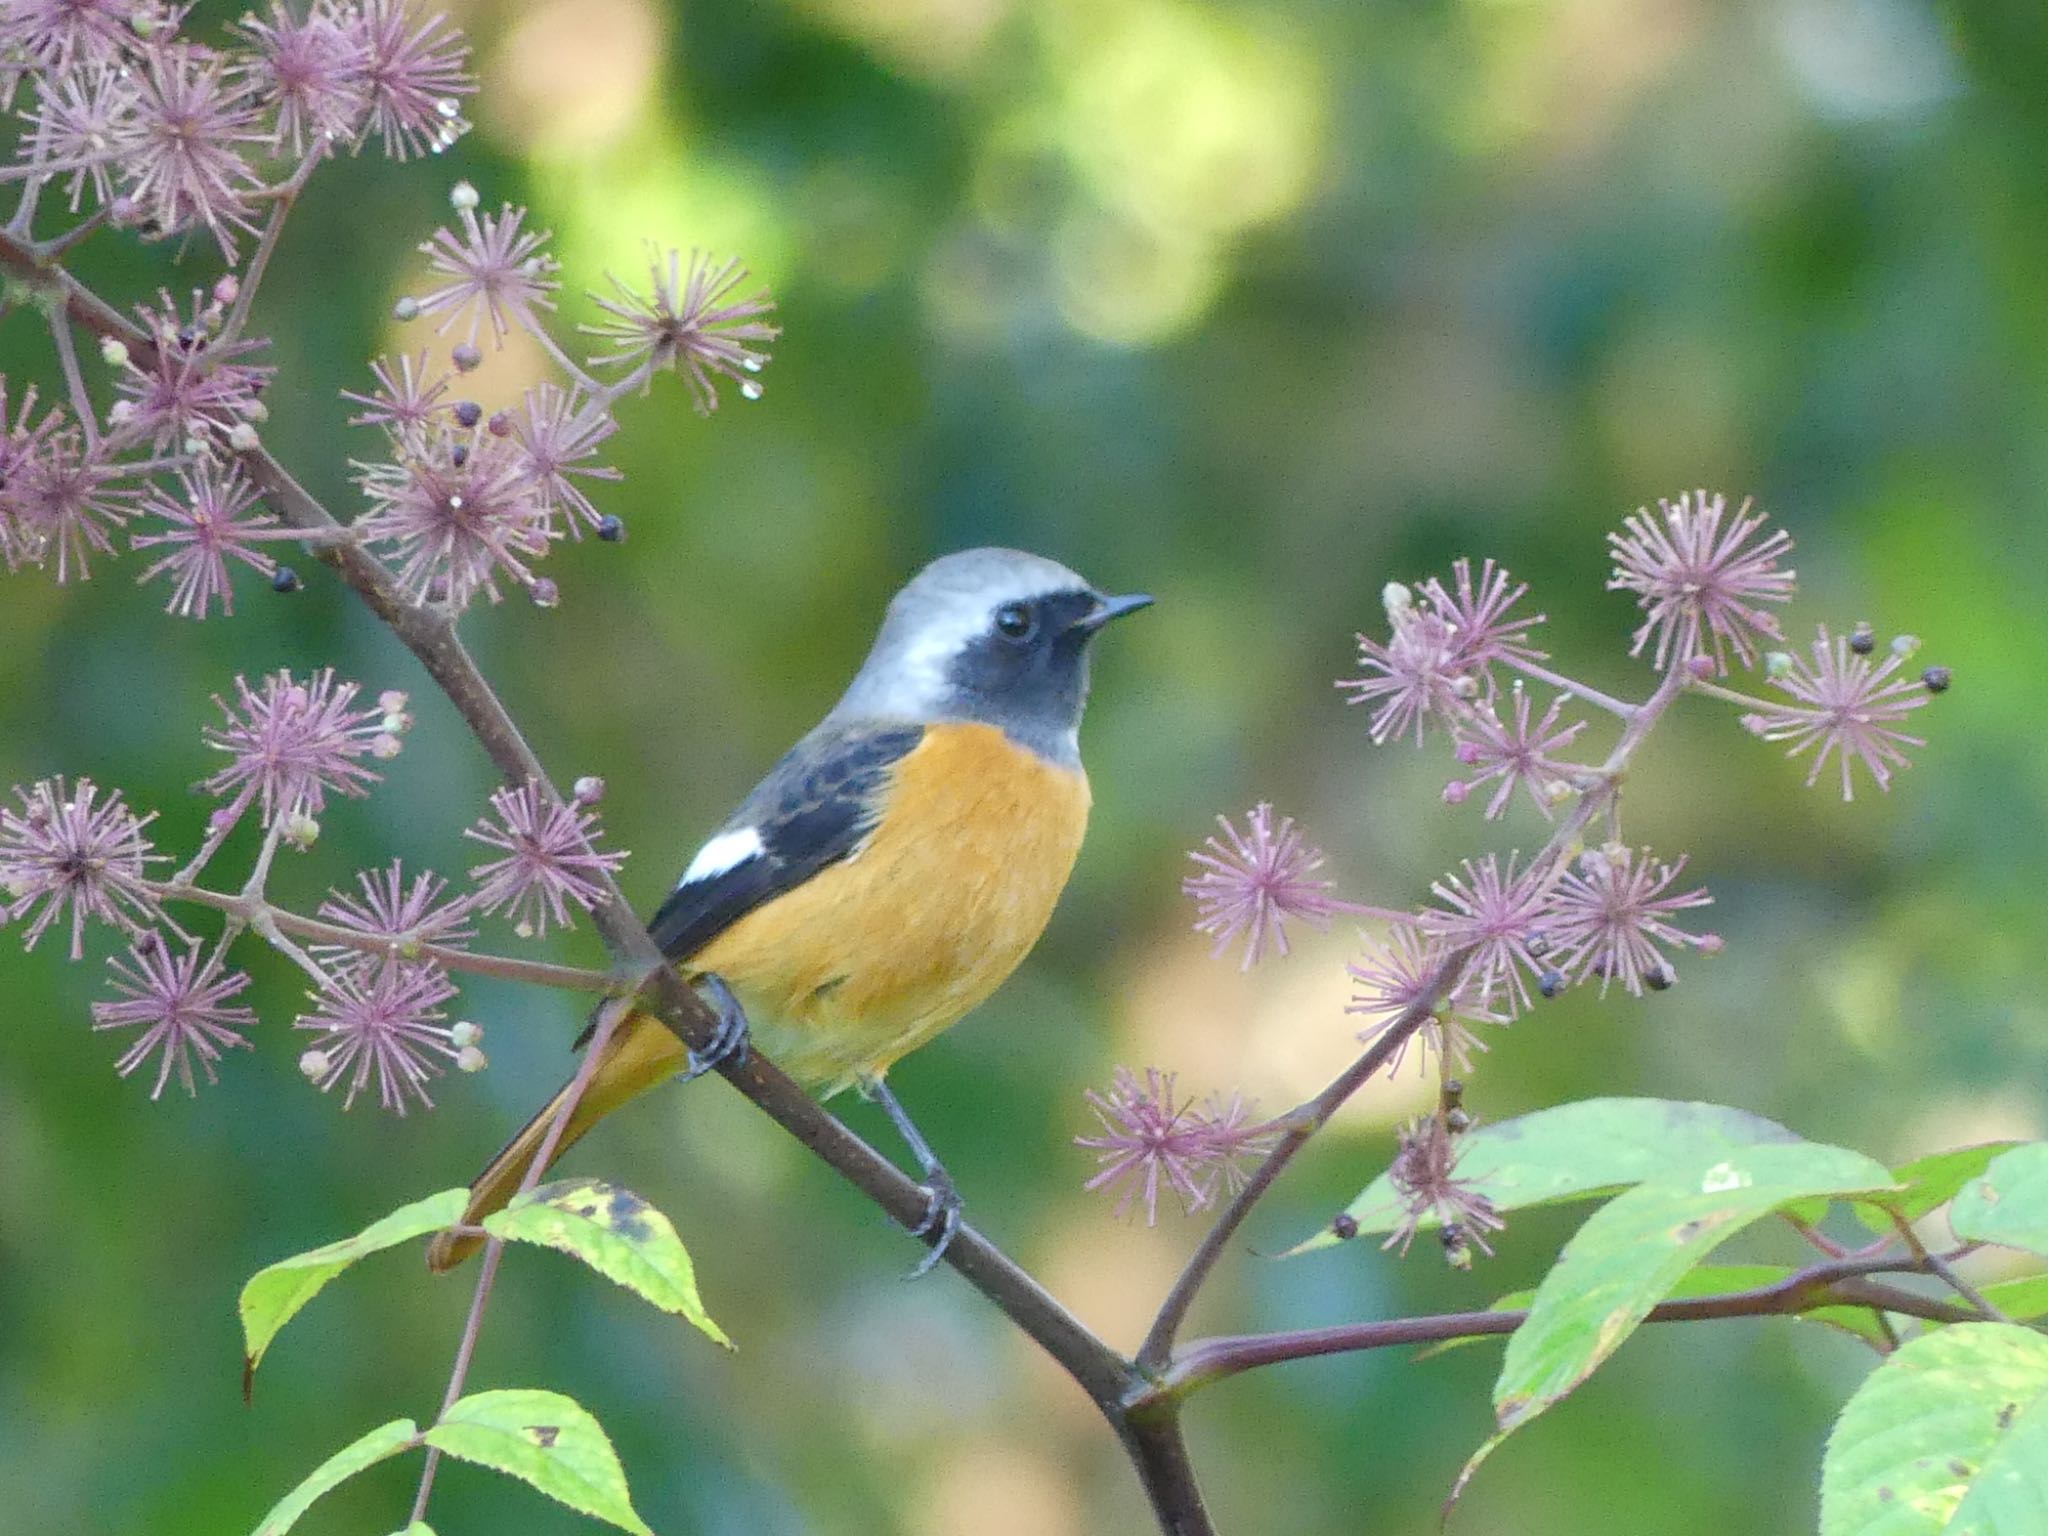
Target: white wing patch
<point>726,851</point>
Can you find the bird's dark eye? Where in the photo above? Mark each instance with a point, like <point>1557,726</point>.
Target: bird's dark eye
<point>1016,621</point>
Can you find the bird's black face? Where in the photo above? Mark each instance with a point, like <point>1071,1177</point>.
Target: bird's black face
<point>1028,671</point>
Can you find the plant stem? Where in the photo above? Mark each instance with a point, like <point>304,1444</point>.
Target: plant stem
<point>1577,690</point>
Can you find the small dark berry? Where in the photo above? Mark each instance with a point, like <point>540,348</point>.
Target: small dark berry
<point>611,529</point>
<point>458,455</point>
<point>1863,639</point>
<point>1537,945</point>
<point>467,357</point>
<point>468,412</point>
<point>1552,983</point>
<point>1453,1091</point>
<point>500,424</point>
<point>1345,1225</point>
<point>1457,1122</point>
<point>285,580</point>
<point>1452,1237</point>
<point>1660,978</point>
<point>1937,679</point>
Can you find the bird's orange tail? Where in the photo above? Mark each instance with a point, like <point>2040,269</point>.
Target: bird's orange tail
<point>642,1052</point>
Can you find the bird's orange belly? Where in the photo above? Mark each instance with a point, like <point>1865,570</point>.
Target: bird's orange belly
<point>873,956</point>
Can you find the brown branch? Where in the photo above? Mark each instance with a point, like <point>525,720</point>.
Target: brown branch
<point>1841,1283</point>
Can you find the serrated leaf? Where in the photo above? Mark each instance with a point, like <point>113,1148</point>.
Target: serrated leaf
<point>2008,1205</point>
<point>544,1439</point>
<point>1633,1251</point>
<point>275,1293</point>
<point>1575,1152</point>
<point>1949,1437</point>
<point>2023,1300</point>
<point>385,1441</point>
<point>617,1234</point>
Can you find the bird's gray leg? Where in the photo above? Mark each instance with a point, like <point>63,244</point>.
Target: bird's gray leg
<point>942,1215</point>
<point>729,1040</point>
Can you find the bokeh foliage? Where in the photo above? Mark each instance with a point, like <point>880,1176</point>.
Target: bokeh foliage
<point>1254,306</point>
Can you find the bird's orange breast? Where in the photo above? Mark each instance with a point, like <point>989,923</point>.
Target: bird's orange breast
<point>874,955</point>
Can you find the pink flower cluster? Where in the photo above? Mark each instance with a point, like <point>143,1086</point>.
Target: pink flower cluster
<point>74,855</point>
<point>1459,658</point>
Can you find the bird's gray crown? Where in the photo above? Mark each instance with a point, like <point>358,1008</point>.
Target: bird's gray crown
<point>940,656</point>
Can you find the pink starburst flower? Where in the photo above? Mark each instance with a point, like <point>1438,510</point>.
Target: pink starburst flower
<point>1495,913</point>
<point>692,324</point>
<point>76,851</point>
<point>204,528</point>
<point>309,73</point>
<point>1515,750</point>
<point>551,859</point>
<point>58,35</point>
<point>289,743</point>
<point>1424,1175</point>
<point>1477,615</point>
<point>406,916</point>
<point>1151,1140</point>
<point>1414,676</point>
<point>381,1022</point>
<point>496,271</point>
<point>407,398</point>
<point>180,1003</point>
<point>459,516</point>
<point>68,498</point>
<point>75,126</point>
<point>558,434</point>
<point>1251,883</point>
<point>1609,915</point>
<point>180,151</point>
<point>23,442</point>
<point>191,386</point>
<point>1845,707</point>
<point>1401,972</point>
<point>416,76</point>
<point>1700,583</point>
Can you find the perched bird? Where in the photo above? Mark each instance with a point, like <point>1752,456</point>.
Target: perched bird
<point>891,871</point>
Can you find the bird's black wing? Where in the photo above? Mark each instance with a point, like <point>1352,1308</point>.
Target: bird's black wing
<point>813,809</point>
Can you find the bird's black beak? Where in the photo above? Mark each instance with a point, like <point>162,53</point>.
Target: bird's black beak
<point>1107,608</point>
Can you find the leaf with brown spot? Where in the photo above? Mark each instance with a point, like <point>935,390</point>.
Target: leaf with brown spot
<point>617,1234</point>
<point>546,1440</point>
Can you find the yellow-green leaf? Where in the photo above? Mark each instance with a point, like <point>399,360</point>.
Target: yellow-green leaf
<point>2009,1204</point>
<point>385,1441</point>
<point>1633,1251</point>
<point>617,1234</point>
<point>1949,1437</point>
<point>274,1294</point>
<point>544,1439</point>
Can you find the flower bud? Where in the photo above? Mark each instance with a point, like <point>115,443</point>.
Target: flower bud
<point>313,1064</point>
<point>500,424</point>
<point>113,352</point>
<point>1904,646</point>
<point>1552,983</point>
<point>1701,668</point>
<point>242,438</point>
<point>465,1033</point>
<point>1777,663</point>
<point>611,529</point>
<point>285,580</point>
<point>1399,602</point>
<point>545,593</point>
<point>227,288</point>
<point>301,830</point>
<point>462,197</point>
<point>1863,638</point>
<point>467,357</point>
<point>407,308</point>
<point>1456,792</point>
<point>588,790</point>
<point>471,1059</point>
<point>385,746</point>
<point>393,701</point>
<point>468,413</point>
<point>1469,753</point>
<point>1937,679</point>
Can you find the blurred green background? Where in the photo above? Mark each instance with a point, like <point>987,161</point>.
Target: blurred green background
<point>1252,306</point>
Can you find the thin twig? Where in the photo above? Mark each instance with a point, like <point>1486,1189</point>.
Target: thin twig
<point>1542,674</point>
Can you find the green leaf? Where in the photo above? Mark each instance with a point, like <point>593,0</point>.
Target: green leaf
<point>1576,1152</point>
<point>1949,1435</point>
<point>617,1234</point>
<point>2009,1204</point>
<point>274,1294</point>
<point>1634,1251</point>
<point>2023,1300</point>
<point>1934,1180</point>
<point>545,1439</point>
<point>385,1441</point>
